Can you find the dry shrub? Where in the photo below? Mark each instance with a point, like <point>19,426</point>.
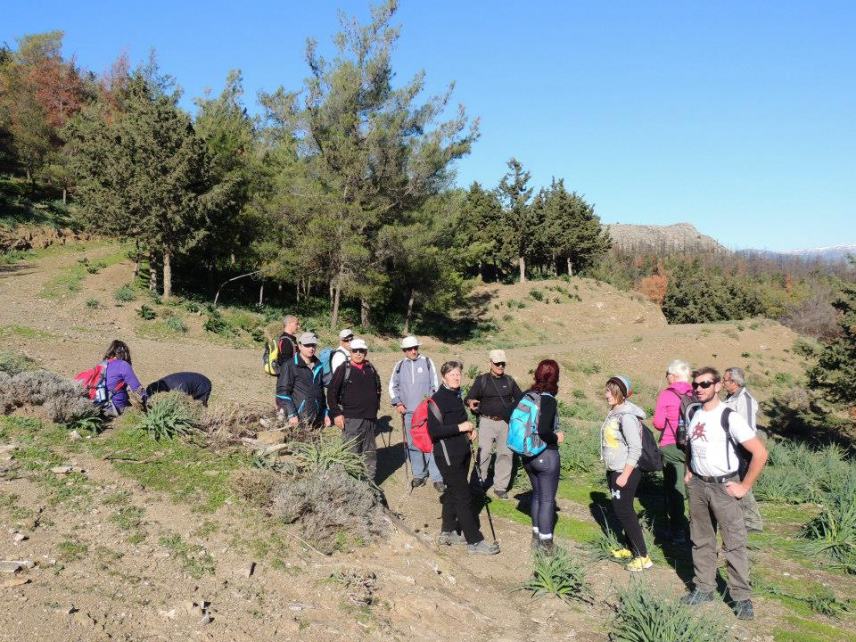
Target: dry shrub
<point>255,486</point>
<point>229,422</point>
<point>335,510</point>
<point>654,287</point>
<point>815,317</point>
<point>62,400</point>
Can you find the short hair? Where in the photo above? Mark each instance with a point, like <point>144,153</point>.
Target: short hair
<point>447,367</point>
<point>708,370</point>
<point>737,376</point>
<point>681,369</point>
<point>547,377</point>
<point>616,390</point>
<point>288,318</point>
<point>118,350</point>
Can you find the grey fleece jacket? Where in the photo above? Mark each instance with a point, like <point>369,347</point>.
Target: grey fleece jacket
<point>621,436</point>
<point>412,380</point>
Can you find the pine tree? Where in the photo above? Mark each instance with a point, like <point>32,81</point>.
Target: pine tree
<point>520,223</point>
<point>832,376</point>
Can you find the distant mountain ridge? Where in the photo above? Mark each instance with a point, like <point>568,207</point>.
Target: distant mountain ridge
<point>831,254</point>
<point>680,237</point>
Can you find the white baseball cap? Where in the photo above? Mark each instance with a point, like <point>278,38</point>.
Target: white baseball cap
<point>344,334</point>
<point>307,339</point>
<point>359,344</point>
<point>409,342</point>
<point>497,356</point>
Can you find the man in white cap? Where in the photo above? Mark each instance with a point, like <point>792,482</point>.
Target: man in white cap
<point>493,396</point>
<point>353,397</point>
<point>343,352</point>
<point>299,387</point>
<point>413,378</point>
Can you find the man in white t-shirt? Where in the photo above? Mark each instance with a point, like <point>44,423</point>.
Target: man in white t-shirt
<point>715,489</point>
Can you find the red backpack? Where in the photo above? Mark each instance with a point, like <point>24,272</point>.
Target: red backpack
<point>94,381</point>
<point>419,424</point>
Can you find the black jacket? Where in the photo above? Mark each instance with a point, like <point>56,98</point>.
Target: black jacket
<point>358,397</point>
<point>299,389</point>
<point>453,412</point>
<point>194,384</point>
<point>498,396</point>
<point>287,344</point>
<point>547,421</point>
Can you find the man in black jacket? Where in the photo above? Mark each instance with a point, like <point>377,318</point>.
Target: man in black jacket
<point>299,390</point>
<point>353,397</point>
<point>493,396</point>
<point>193,384</point>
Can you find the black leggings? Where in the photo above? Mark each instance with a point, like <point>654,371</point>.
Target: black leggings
<point>622,505</point>
<point>457,500</point>
<point>543,471</point>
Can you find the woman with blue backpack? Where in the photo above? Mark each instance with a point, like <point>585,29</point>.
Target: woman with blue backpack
<point>620,450</point>
<point>543,469</point>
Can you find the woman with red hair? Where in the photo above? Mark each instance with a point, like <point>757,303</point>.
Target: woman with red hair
<point>543,468</point>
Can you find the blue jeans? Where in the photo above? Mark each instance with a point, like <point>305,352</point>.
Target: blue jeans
<point>422,464</point>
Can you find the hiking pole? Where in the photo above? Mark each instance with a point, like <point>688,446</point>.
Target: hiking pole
<point>486,498</point>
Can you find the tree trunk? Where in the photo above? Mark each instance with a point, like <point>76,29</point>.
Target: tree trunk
<point>64,196</point>
<point>522,262</point>
<point>409,314</point>
<point>136,259</point>
<point>153,274</point>
<point>297,288</point>
<point>570,267</point>
<point>167,275</point>
<point>262,294</point>
<point>337,295</point>
<point>365,310</point>
<point>331,291</point>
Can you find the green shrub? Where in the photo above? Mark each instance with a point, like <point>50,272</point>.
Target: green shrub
<point>13,363</point>
<point>646,615</point>
<point>216,324</point>
<point>580,452</point>
<point>95,268</point>
<point>170,414</point>
<point>176,324</point>
<point>472,372</point>
<point>578,394</point>
<point>558,574</point>
<point>833,531</point>
<point>125,294</point>
<point>601,547</point>
<point>92,304</point>
<point>328,451</point>
<point>536,294</point>
<point>147,313</point>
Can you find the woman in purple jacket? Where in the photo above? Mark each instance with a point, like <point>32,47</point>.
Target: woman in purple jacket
<point>120,376</point>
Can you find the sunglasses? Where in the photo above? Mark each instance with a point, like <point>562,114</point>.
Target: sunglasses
<point>413,349</point>
<point>499,364</point>
<point>360,351</point>
<point>348,339</point>
<point>703,384</point>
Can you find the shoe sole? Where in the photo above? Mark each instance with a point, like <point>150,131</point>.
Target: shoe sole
<point>640,569</point>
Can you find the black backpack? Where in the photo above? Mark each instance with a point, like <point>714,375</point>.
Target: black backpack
<point>651,459</point>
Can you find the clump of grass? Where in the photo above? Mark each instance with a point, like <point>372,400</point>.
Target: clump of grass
<point>169,415</point>
<point>125,294</point>
<point>558,574</point>
<point>646,615</point>
<point>580,452</point>
<point>215,323</point>
<point>601,547</point>
<point>327,452</point>
<point>536,295</point>
<point>13,363</point>
<point>194,559</point>
<point>71,550</point>
<point>92,304</point>
<point>833,531</point>
<point>175,324</point>
<point>472,372</point>
<point>147,313</point>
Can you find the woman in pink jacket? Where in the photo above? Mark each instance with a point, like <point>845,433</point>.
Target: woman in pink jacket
<point>667,419</point>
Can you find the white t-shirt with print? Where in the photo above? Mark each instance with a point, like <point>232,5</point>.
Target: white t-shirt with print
<point>708,441</point>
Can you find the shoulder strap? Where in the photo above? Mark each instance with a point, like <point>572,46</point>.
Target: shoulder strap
<point>435,409</point>
<point>398,366</point>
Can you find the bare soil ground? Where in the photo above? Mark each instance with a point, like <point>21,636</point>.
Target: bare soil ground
<point>115,559</point>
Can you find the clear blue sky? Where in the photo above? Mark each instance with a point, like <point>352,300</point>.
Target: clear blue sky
<point>739,117</point>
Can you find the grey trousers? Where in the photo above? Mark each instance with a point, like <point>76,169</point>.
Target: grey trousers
<point>493,432</point>
<point>751,513</point>
<point>362,433</point>
<point>711,507</point>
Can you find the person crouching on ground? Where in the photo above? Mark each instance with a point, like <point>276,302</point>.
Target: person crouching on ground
<point>543,469</point>
<point>120,377</point>
<point>620,449</point>
<point>353,397</point>
<point>451,431</point>
<point>195,385</point>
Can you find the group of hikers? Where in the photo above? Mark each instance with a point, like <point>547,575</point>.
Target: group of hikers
<point>709,449</point>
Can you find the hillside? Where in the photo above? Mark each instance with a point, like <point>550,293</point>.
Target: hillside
<point>159,540</point>
<point>680,237</point>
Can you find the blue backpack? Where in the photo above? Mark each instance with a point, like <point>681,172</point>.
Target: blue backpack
<point>326,359</point>
<point>523,426</point>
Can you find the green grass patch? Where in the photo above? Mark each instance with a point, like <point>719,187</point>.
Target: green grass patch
<point>70,280</point>
<point>570,528</point>
<point>803,630</point>
<point>24,332</point>
<point>194,559</point>
<point>71,550</point>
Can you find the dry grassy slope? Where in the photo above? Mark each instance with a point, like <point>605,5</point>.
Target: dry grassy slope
<point>603,332</point>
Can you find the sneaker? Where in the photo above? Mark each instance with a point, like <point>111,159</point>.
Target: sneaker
<point>697,597</point>
<point>439,487</point>
<point>545,545</point>
<point>501,494</point>
<point>621,553</point>
<point>639,564</point>
<point>416,482</point>
<point>450,538</point>
<point>483,548</point>
<point>743,610</point>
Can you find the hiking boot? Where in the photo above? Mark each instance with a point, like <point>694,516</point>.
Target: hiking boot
<point>697,597</point>
<point>639,564</point>
<point>483,548</point>
<point>545,546</point>
<point>621,553</point>
<point>450,538</point>
<point>501,494</point>
<point>416,482</point>
<point>743,610</point>
<point>439,487</point>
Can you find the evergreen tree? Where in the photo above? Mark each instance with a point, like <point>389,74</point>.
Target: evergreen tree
<point>519,226</point>
<point>832,376</point>
<point>479,232</point>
